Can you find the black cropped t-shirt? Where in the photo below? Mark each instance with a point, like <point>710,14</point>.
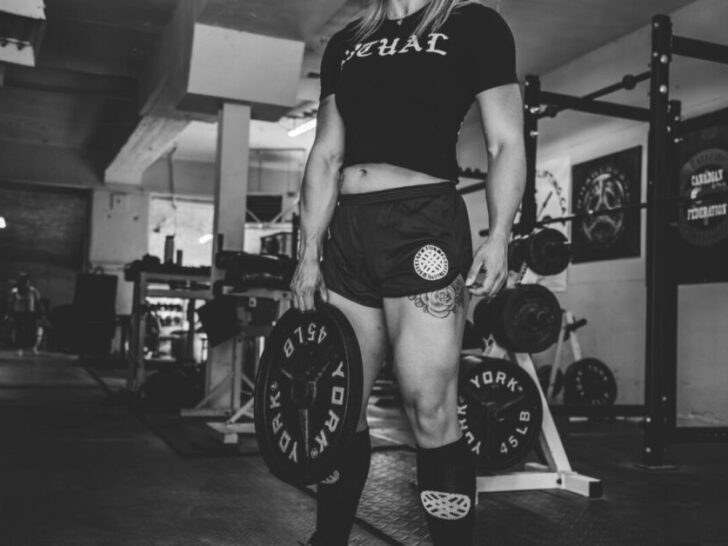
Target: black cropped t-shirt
<point>403,99</point>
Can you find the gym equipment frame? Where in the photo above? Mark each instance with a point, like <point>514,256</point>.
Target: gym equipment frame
<point>152,285</point>
<point>664,118</point>
<point>227,431</point>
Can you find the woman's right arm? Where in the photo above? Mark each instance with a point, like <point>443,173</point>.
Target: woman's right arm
<point>319,192</point>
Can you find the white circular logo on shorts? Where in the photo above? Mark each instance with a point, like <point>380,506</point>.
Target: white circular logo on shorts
<point>431,263</point>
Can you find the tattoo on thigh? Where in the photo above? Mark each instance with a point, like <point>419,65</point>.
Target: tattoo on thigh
<point>441,303</point>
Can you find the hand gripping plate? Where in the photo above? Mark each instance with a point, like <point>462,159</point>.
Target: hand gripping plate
<point>308,394</point>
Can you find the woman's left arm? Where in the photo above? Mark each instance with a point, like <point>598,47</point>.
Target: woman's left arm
<point>501,110</point>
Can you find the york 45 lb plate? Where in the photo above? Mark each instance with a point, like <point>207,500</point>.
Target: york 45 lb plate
<point>308,394</point>
<point>499,409</point>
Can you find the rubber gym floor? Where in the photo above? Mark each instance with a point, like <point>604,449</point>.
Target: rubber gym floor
<point>81,465</point>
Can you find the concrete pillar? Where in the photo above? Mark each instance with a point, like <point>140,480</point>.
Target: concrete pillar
<point>231,192</point>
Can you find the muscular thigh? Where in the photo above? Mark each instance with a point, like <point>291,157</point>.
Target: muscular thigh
<point>368,324</point>
<point>426,333</point>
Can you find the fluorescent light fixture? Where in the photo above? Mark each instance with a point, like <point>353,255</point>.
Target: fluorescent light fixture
<point>206,238</point>
<point>303,128</point>
<point>3,225</point>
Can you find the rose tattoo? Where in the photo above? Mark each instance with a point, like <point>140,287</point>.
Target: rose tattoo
<point>441,303</point>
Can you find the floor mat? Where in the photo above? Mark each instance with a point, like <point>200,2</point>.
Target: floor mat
<point>42,372</point>
<point>77,470</point>
<point>681,508</point>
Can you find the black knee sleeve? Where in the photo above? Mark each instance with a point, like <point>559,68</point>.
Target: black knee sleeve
<point>446,479</point>
<point>338,495</point>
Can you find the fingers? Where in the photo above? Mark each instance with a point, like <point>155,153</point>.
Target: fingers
<point>304,286</point>
<point>491,284</point>
<point>486,287</point>
<point>303,300</point>
<point>302,297</point>
<point>308,300</point>
<point>323,292</point>
<point>475,270</point>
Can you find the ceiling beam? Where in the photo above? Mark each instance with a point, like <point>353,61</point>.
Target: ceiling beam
<point>152,138</point>
<point>289,19</point>
<point>198,67</point>
<point>69,82</point>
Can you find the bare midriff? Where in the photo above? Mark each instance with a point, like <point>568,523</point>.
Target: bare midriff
<point>368,177</point>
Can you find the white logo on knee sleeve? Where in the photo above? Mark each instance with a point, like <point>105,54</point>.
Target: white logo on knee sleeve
<point>431,263</point>
<point>332,479</point>
<point>445,505</point>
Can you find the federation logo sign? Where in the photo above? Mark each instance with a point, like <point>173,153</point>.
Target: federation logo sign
<point>704,222</point>
<point>431,263</point>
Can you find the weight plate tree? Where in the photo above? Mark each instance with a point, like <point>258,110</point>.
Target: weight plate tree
<point>499,409</point>
<point>472,339</point>
<point>589,382</point>
<point>544,376</point>
<point>482,319</point>
<point>308,394</point>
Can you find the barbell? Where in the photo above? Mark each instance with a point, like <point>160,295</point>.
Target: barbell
<point>704,197</point>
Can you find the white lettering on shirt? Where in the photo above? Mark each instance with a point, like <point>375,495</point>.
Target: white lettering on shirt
<point>365,49</point>
<point>432,43</point>
<point>412,43</point>
<point>386,48</point>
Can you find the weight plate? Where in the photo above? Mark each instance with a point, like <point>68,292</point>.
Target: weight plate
<point>517,250</point>
<point>499,409</point>
<point>308,394</point>
<point>482,319</point>
<point>529,318</point>
<point>589,382</point>
<point>549,252</point>
<point>472,338</point>
<point>544,376</point>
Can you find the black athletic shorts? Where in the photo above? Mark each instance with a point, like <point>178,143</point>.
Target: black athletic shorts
<point>397,242</point>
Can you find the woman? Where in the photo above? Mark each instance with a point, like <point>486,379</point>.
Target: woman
<point>380,181</point>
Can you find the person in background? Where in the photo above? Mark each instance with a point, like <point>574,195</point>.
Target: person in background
<point>24,313</point>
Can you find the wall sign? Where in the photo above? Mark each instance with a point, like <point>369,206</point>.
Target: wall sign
<point>702,214</point>
<point>602,184</point>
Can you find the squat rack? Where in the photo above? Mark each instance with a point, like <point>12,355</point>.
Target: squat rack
<point>664,118</point>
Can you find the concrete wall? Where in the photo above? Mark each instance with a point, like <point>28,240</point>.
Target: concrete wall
<point>612,294</point>
<point>120,217</point>
<point>119,234</point>
<point>197,179</point>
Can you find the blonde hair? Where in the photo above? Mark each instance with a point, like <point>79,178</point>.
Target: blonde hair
<point>435,14</point>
